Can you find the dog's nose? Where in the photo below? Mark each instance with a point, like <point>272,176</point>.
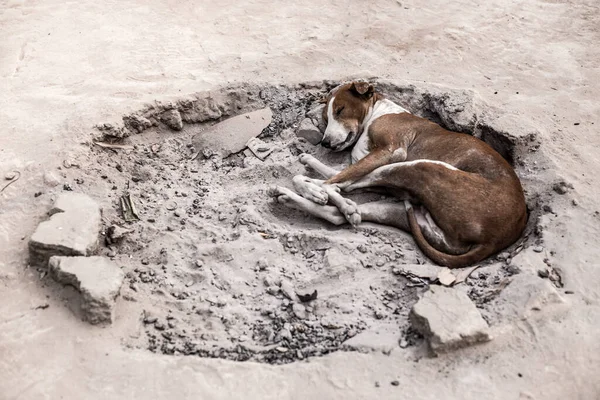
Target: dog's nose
<point>326,143</point>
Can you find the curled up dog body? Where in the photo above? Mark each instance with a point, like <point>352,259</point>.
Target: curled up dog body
<point>460,200</point>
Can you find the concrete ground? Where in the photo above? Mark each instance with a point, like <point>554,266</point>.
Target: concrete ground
<point>65,66</point>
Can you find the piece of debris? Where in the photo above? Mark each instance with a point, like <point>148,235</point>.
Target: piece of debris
<point>115,233</point>
<point>463,273</point>
<point>424,271</point>
<point>287,289</point>
<point>114,146</point>
<point>136,123</point>
<point>97,279</point>
<point>309,131</point>
<point>149,317</point>
<point>305,298</point>
<point>448,319</point>
<point>562,187</point>
<point>172,118</point>
<point>12,177</point>
<point>299,311</point>
<point>9,176</point>
<point>316,116</point>
<point>128,209</point>
<point>259,148</point>
<point>230,136</point>
<point>72,229</point>
<point>446,277</point>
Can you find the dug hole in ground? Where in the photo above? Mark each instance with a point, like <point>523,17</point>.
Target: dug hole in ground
<point>210,267</point>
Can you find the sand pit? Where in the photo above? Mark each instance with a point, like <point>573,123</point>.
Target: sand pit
<point>216,266</point>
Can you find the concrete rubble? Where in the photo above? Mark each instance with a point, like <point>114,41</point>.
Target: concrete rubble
<point>232,135</point>
<point>72,230</point>
<point>97,279</point>
<point>309,131</point>
<point>448,320</point>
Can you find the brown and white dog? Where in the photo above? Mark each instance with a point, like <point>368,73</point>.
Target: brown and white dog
<point>462,200</point>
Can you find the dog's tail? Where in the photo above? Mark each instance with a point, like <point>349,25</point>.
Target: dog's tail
<point>474,255</point>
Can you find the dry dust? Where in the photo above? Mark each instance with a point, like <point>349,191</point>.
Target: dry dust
<point>217,265</point>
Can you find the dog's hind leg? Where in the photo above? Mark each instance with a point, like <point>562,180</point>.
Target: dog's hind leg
<point>295,201</point>
<point>380,212</point>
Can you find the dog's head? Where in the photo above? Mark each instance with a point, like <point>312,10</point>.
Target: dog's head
<point>345,111</point>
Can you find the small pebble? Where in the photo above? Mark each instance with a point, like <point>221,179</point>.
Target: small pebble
<point>538,249</point>
<point>395,383</point>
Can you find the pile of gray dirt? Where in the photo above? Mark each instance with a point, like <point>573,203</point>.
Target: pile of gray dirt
<point>217,266</point>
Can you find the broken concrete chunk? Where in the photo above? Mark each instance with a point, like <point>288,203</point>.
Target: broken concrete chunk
<point>449,320</point>
<point>259,148</point>
<point>97,279</point>
<point>136,123</point>
<point>316,116</point>
<point>446,277</point>
<point>309,131</point>
<point>288,290</point>
<point>172,118</point>
<point>72,229</point>
<point>230,136</point>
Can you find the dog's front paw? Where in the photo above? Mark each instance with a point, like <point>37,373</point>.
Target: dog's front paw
<point>305,159</point>
<point>351,212</point>
<point>310,189</point>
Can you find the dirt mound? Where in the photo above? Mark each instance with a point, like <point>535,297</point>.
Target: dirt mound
<point>217,266</point>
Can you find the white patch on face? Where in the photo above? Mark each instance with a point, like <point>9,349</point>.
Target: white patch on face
<point>335,132</point>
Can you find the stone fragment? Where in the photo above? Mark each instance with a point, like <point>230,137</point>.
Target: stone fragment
<point>309,131</point>
<point>97,279</point>
<point>172,118</point>
<point>72,229</point>
<point>316,116</point>
<point>562,187</point>
<point>446,277</point>
<point>288,290</point>
<point>448,319</point>
<point>259,148</point>
<point>137,123</point>
<point>230,136</point>
<point>299,311</point>
<point>115,233</point>
<point>51,179</point>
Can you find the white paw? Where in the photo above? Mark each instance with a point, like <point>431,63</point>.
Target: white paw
<point>351,212</point>
<point>305,159</point>
<point>310,189</point>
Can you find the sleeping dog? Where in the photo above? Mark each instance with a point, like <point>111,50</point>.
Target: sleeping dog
<point>460,200</point>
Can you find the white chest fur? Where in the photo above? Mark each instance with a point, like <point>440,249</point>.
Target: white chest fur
<point>382,107</point>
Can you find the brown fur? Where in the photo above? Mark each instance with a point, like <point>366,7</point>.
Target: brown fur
<point>481,207</point>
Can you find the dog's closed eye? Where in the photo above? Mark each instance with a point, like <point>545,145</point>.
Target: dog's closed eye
<point>339,111</point>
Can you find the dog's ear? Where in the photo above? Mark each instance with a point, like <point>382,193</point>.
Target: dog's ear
<point>363,89</point>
